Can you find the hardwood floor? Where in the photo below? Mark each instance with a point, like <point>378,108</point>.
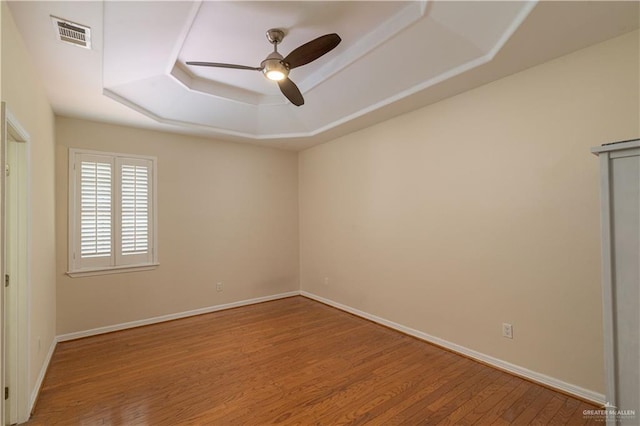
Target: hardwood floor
<point>290,361</point>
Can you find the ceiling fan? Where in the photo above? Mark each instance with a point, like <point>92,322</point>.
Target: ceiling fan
<point>276,68</point>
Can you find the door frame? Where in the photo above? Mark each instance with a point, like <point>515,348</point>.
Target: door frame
<point>12,127</point>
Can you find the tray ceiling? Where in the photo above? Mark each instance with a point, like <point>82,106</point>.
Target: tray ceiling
<point>394,56</point>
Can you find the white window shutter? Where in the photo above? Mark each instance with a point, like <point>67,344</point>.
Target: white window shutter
<point>93,211</point>
<point>134,233</point>
<point>112,217</point>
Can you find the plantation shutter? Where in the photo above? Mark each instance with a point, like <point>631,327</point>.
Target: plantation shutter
<point>112,218</point>
<point>135,208</point>
<point>94,211</point>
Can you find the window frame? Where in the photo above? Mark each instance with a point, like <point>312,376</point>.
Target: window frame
<point>76,266</point>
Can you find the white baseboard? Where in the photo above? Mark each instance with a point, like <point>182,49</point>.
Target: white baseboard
<point>40,379</point>
<point>517,370</point>
<point>169,317</point>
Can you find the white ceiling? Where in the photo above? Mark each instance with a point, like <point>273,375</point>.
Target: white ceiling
<point>394,57</point>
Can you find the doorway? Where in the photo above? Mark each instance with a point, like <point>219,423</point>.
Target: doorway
<point>15,280</point>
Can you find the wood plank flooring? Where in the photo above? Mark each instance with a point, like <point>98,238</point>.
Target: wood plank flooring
<point>290,361</point>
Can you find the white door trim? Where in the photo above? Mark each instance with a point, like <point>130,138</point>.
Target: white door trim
<point>11,127</point>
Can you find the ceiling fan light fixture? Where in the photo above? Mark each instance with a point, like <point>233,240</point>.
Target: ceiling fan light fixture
<point>275,75</point>
<point>273,68</point>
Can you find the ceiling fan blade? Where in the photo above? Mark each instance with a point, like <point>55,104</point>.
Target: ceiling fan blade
<point>312,50</point>
<point>220,65</point>
<point>291,91</point>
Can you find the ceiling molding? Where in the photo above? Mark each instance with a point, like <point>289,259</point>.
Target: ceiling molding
<point>439,41</point>
<point>213,88</point>
<point>515,24</point>
<point>182,35</point>
<point>382,33</point>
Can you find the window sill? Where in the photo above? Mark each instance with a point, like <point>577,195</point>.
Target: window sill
<point>113,270</point>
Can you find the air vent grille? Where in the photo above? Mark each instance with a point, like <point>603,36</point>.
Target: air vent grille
<point>72,33</point>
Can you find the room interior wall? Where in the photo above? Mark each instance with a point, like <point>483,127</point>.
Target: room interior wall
<point>479,210</point>
<point>26,99</point>
<point>226,213</point>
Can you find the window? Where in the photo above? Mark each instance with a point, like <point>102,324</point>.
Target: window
<point>112,221</point>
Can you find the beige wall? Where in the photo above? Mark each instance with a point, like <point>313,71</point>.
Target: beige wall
<point>25,97</point>
<point>226,212</point>
<point>478,210</point>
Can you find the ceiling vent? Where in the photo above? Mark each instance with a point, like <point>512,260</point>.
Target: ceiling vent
<point>72,33</point>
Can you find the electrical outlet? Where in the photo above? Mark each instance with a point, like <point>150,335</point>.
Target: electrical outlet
<point>219,286</point>
<point>326,280</point>
<point>507,330</point>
